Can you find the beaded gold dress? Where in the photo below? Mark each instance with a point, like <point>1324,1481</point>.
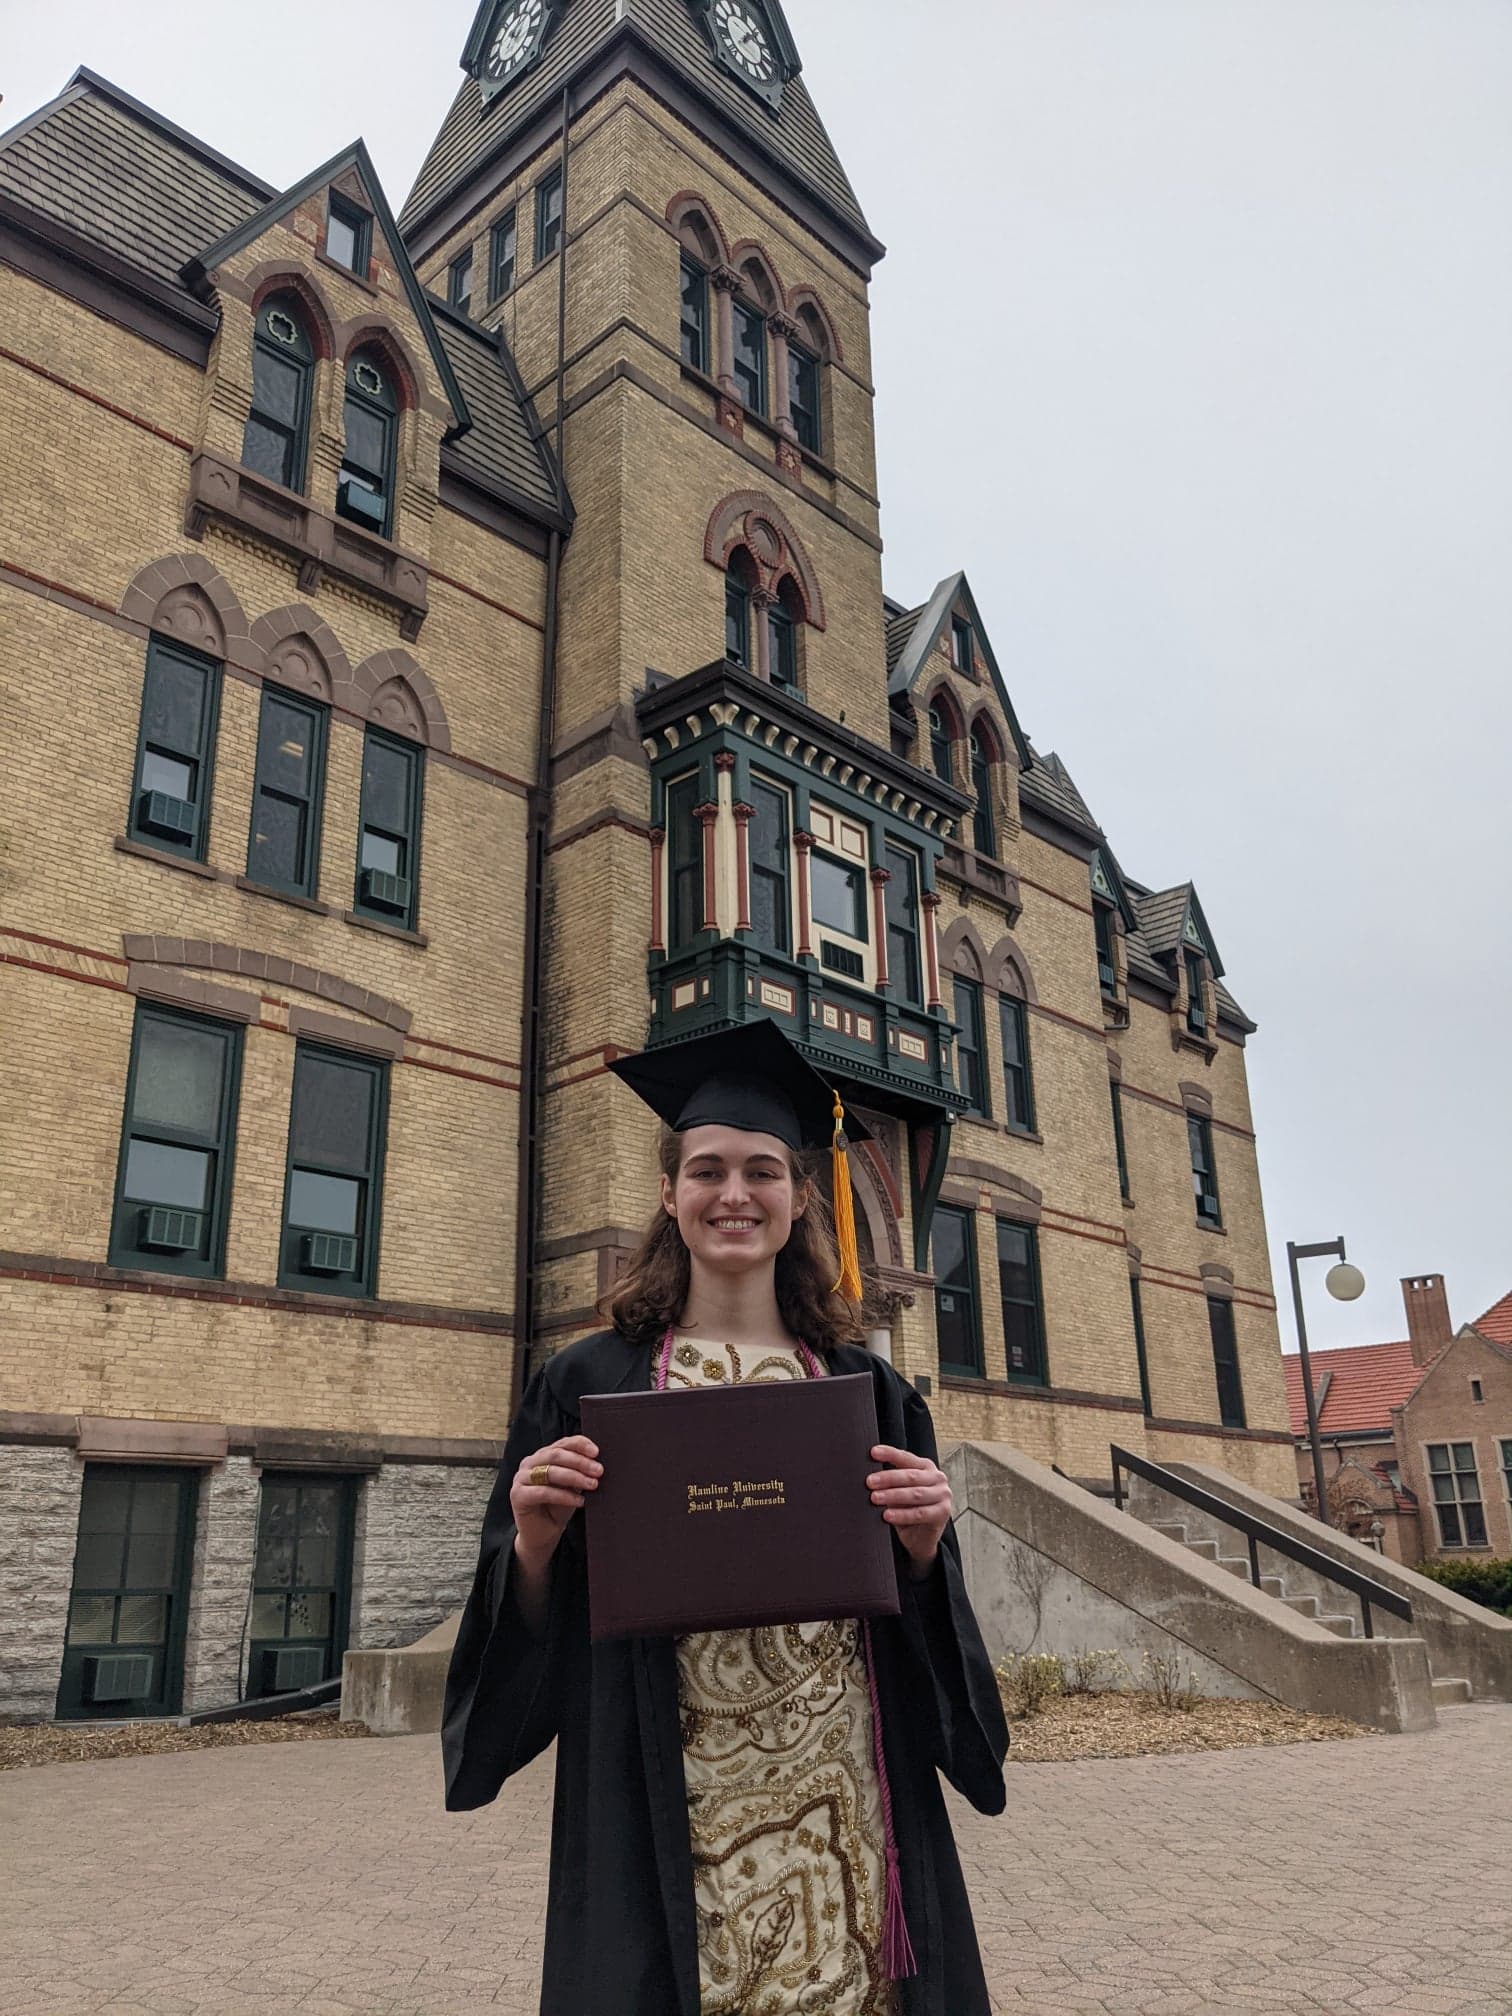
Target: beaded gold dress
<point>784,1807</point>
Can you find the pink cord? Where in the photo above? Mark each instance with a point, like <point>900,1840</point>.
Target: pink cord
<point>897,1947</point>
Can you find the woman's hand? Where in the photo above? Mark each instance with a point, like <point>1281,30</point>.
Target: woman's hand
<point>914,1496</point>
<point>570,1469</point>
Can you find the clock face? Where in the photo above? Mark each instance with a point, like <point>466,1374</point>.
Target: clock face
<point>514,40</point>
<point>743,32</point>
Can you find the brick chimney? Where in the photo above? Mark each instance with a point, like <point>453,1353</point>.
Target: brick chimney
<point>1427,1304</point>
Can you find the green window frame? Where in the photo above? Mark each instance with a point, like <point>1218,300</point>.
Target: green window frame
<point>333,1184</point>
<point>301,1581</point>
<point>388,837</point>
<point>288,789</point>
<point>1102,932</point>
<point>962,654</point>
<point>971,1056</point>
<point>1506,1464</point>
<point>941,745</point>
<point>548,216</point>
<point>1196,1016</point>
<point>503,254</point>
<point>178,1142</point>
<point>1136,1301</point>
<point>803,398</point>
<point>1018,1077</point>
<point>902,906</point>
<point>684,864</point>
<point>958,1323</point>
<point>983,827</point>
<point>175,755</point>
<point>782,645</point>
<point>1204,1170</point>
<point>123,1650</point>
<point>750,346</point>
<point>770,853</point>
<point>370,419</point>
<point>275,440</point>
<point>1120,1147</point>
<point>1455,1483</point>
<point>1022,1294</point>
<point>738,613</point>
<point>1226,1362</point>
<point>459,281</point>
<point>348,236</point>
<point>837,893</point>
<point>694,316</point>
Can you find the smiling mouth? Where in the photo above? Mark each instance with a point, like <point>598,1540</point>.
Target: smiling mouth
<point>734,1224</point>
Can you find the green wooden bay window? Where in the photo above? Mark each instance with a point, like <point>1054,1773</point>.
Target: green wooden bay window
<point>173,1182</point>
<point>971,1060</point>
<point>903,925</point>
<point>388,851</point>
<point>1226,1362</point>
<point>958,1323</point>
<point>365,487</point>
<point>684,865</point>
<point>1018,1084</point>
<point>839,891</point>
<point>338,1119</point>
<point>123,1654</point>
<point>283,852</point>
<point>771,907</point>
<point>170,794</point>
<point>1023,1315</point>
<point>275,440</point>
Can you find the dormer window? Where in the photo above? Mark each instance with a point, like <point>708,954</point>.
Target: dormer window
<point>962,655</point>
<point>349,236</point>
<point>695,317</point>
<point>459,282</point>
<point>750,357</point>
<point>365,489</point>
<point>803,397</point>
<point>1196,1014</point>
<point>1102,931</point>
<point>275,440</point>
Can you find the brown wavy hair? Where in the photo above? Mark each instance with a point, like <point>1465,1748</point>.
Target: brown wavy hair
<point>653,1290</point>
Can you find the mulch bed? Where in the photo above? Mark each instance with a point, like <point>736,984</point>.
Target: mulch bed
<point>74,1743</point>
<point>1133,1725</point>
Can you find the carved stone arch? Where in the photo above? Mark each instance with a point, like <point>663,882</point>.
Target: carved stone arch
<point>803,304</point>
<point>390,690</point>
<point>303,653</point>
<point>696,224</point>
<point>874,1204</point>
<point>962,951</point>
<point>939,695</point>
<point>759,276</point>
<point>188,599</point>
<point>275,276</point>
<point>750,519</point>
<point>1008,972</point>
<point>981,722</point>
<point>366,332</point>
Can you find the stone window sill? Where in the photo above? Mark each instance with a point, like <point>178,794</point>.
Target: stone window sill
<point>283,896</point>
<point>1203,1225</point>
<point>347,273</point>
<point>388,930</point>
<point>140,851</point>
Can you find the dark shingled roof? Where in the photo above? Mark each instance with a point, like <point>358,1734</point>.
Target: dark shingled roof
<point>502,445</point>
<point>1047,784</point>
<point>899,629</point>
<point>1162,916</point>
<point>470,133</point>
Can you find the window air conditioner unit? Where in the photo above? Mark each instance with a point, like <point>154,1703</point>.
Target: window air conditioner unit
<point>168,1231</point>
<point>1197,1017</point>
<point>287,1668</point>
<point>355,500</point>
<point>329,1253</point>
<point>172,817</point>
<point>117,1676</point>
<point>1207,1207</point>
<point>1107,979</point>
<point>385,892</point>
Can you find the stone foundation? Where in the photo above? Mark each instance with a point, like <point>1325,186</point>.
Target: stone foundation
<point>418,1528</point>
<point>39,1524</point>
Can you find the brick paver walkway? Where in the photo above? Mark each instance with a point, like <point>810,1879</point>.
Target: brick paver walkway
<point>325,1879</point>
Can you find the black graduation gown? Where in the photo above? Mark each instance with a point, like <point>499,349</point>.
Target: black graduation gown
<point>621,1936</point>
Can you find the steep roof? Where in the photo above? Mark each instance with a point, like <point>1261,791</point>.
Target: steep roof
<point>1496,1324</point>
<point>1364,1383</point>
<point>1167,917</point>
<point>1048,784</point>
<point>503,448</point>
<point>914,635</point>
<point>472,132</point>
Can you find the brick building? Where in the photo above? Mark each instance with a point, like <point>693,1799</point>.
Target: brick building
<point>488,668</point>
<point>1416,1434</point>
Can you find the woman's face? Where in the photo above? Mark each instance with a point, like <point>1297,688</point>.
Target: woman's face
<point>734,1198</point>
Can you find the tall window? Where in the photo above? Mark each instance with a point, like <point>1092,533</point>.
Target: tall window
<point>1136,1300</point>
<point>170,796</point>
<point>173,1183</point>
<point>1013,1018</point>
<point>1204,1171</point>
<point>971,1062</point>
<point>839,893</point>
<point>332,1194</point>
<point>695,316</point>
<point>738,584</point>
<point>962,655</point>
<point>276,438</point>
<point>1226,1362</point>
<point>1506,1458</point>
<point>768,841</point>
<point>958,1325</point>
<point>124,1650</point>
<point>684,864</point>
<point>1455,1483</point>
<point>1119,1146</point>
<point>1196,1008</point>
<point>750,356</point>
<point>782,640</point>
<point>548,233</point>
<point>301,1582</point>
<point>284,850</point>
<point>983,835</point>
<point>902,895</point>
<point>365,488</point>
<point>349,236</point>
<point>503,252</point>
<point>1023,1313</point>
<point>803,397</point>
<point>388,849</point>
<point>459,281</point>
<point>941,757</point>
<point>1102,931</point>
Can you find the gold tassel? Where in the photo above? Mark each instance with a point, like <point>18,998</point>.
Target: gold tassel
<point>849,1284</point>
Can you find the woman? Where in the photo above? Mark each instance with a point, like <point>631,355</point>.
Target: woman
<point>746,1823</point>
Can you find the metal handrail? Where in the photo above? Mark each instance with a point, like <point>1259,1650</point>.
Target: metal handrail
<point>267,1707</point>
<point>1256,1530</point>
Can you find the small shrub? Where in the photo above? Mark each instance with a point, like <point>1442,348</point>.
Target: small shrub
<point>1028,1680</point>
<point>1170,1684</point>
<point>1486,1582</point>
<point>1092,1672</point>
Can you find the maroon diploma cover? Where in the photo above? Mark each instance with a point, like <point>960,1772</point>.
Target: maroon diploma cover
<point>735,1505</point>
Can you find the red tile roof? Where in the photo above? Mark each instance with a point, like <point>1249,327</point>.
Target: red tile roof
<point>1497,1322</point>
<point>1366,1382</point>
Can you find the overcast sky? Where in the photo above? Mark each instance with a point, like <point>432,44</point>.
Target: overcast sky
<point>1194,349</point>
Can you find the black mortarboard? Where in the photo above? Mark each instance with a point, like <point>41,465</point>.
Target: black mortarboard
<point>749,1077</point>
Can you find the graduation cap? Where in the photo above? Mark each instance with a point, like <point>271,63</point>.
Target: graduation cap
<point>752,1078</point>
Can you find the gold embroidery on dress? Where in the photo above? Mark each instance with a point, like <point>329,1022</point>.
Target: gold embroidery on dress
<point>784,1810</point>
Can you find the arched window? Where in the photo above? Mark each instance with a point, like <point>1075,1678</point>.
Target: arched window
<point>740,579</point>
<point>804,381</point>
<point>940,758</point>
<point>783,618</point>
<point>984,838</point>
<point>276,440</point>
<point>700,254</point>
<point>365,491</point>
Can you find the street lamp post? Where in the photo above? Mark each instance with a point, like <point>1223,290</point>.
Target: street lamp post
<point>1345,1284</point>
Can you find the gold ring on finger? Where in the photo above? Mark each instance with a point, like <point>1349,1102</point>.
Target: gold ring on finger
<point>540,1475</point>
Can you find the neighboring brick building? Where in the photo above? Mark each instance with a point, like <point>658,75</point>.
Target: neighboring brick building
<point>1417,1435</point>
<point>524,782</point>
